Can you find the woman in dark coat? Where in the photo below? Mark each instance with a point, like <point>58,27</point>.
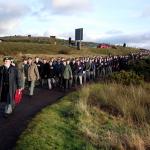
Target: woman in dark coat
<point>9,83</point>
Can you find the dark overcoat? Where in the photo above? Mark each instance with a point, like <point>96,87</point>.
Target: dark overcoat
<point>14,82</point>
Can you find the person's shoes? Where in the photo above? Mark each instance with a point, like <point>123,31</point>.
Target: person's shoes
<point>5,115</point>
<point>30,96</point>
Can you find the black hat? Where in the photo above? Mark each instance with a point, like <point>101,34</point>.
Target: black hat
<point>7,58</point>
<point>29,58</point>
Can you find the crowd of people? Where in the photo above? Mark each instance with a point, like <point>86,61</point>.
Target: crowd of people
<point>56,72</point>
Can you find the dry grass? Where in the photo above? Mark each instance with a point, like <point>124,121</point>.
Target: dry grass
<point>79,122</point>
<point>115,116</point>
<point>15,48</point>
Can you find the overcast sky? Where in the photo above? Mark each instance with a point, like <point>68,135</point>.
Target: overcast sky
<point>111,21</point>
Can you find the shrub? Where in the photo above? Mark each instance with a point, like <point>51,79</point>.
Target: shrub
<point>63,51</point>
<point>127,78</point>
<point>130,102</point>
<point>115,116</point>
<point>141,67</point>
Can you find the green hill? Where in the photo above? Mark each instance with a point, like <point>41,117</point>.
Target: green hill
<point>44,45</point>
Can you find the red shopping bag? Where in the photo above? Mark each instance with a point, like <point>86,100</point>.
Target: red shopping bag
<point>18,96</point>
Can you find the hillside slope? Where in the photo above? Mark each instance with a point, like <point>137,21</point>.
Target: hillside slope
<point>99,117</point>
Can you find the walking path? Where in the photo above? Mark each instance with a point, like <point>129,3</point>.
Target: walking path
<point>12,127</point>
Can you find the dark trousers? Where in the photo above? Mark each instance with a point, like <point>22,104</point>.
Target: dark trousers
<point>66,84</point>
<point>5,96</point>
<point>6,99</point>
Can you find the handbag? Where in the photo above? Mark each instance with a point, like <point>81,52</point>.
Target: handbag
<point>18,96</point>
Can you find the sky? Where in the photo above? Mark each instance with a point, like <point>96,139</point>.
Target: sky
<point>109,21</point>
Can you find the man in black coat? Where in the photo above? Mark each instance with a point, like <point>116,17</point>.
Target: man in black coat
<point>51,75</point>
<point>40,68</point>
<point>73,66</point>
<point>39,65</point>
<point>9,83</point>
<point>45,71</point>
<point>58,68</point>
<point>79,71</point>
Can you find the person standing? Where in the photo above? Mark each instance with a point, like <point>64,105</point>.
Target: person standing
<point>51,76</point>
<point>39,65</point>
<point>73,66</point>
<point>58,67</point>
<point>88,68</point>
<point>92,69</point>
<point>79,71</point>
<point>9,83</point>
<point>83,63</point>
<point>33,75</point>
<point>23,72</point>
<point>44,75</point>
<point>67,75</point>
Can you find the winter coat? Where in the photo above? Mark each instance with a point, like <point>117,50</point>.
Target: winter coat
<point>58,68</point>
<point>79,70</point>
<point>45,71</point>
<point>87,66</point>
<point>92,66</point>
<point>73,67</point>
<point>51,71</point>
<point>67,74</point>
<point>14,82</point>
<point>33,73</point>
<point>23,70</point>
<point>39,66</point>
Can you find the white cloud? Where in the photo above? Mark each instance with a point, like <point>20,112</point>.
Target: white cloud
<point>11,14</point>
<point>63,7</point>
<point>114,32</point>
<point>132,39</point>
<point>71,5</point>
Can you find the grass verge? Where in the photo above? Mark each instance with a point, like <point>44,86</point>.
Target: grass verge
<point>54,128</point>
<point>98,117</point>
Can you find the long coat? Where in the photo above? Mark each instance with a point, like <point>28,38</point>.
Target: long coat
<point>14,82</point>
<point>39,65</point>
<point>51,73</point>
<point>45,71</point>
<point>67,74</point>
<point>79,69</point>
<point>33,73</point>
<point>23,70</point>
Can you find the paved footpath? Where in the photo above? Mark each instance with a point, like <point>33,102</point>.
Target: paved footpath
<point>12,127</point>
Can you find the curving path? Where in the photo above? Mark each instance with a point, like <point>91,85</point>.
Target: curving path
<point>12,127</point>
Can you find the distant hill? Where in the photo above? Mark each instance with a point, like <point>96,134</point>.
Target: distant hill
<point>21,45</point>
<point>43,40</point>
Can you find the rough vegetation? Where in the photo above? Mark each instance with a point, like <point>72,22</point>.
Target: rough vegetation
<point>112,116</point>
<point>141,68</point>
<point>36,45</point>
<point>136,73</point>
<point>99,117</point>
<point>115,116</point>
<point>127,78</point>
